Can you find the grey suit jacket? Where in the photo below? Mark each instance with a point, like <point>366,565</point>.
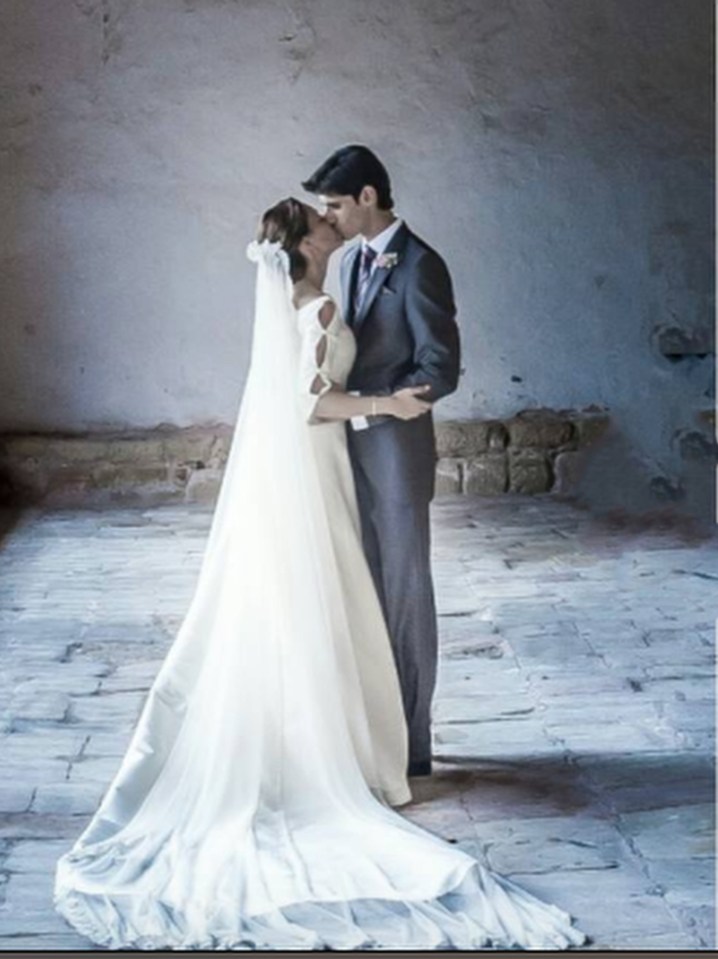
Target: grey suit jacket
<point>406,335</point>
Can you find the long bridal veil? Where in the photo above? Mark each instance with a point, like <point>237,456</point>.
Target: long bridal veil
<point>245,812</point>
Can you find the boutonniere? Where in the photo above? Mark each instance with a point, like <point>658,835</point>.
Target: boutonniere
<point>387,261</point>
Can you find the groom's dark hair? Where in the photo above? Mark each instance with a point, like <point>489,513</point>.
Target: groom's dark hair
<point>348,171</point>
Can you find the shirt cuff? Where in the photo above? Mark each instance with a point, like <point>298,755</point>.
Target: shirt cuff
<point>358,422</point>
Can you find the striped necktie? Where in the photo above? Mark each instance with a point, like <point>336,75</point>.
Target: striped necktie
<point>367,258</point>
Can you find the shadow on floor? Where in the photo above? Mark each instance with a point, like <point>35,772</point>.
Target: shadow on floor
<point>9,518</point>
<point>545,786</point>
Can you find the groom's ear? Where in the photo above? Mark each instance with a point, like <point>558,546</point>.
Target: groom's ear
<point>368,196</point>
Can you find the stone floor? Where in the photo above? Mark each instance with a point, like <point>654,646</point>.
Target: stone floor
<point>574,716</point>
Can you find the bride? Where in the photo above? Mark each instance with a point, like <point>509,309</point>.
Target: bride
<point>253,808</point>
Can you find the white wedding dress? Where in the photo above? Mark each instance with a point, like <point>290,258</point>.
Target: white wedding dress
<point>252,809</point>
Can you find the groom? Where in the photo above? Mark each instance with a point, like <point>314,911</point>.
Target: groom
<point>397,298</point>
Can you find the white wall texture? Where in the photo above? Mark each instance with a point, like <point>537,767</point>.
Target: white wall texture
<point>557,153</point>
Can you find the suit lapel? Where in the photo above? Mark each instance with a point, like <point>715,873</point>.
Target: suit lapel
<point>379,275</point>
<point>348,282</point>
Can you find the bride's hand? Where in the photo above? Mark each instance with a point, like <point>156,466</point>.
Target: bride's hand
<point>406,404</point>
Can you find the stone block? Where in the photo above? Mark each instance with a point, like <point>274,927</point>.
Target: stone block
<point>31,826</point>
<point>479,708</point>
<point>499,797</point>
<point>457,438</point>
<point>28,906</point>
<point>449,819</point>
<point>77,449</point>
<point>53,680</point>
<point>130,449</point>
<point>91,770</point>
<point>41,744</point>
<point>627,736</point>
<point>31,772</point>
<point>35,856</point>
<point>39,704</point>
<point>623,892</point>
<point>199,447</point>
<point>486,475</point>
<point>480,647</point>
<point>68,798</point>
<point>46,944</point>
<point>106,741</point>
<point>15,796</point>
<point>542,429</point>
<point>114,476</point>
<point>458,678</point>
<point>685,882</point>
<point>672,833</point>
<point>448,476</point>
<point>455,604</point>
<point>116,710</point>
<point>131,677</point>
<point>549,844</point>
<point>588,428</point>
<point>529,471</point>
<point>648,944</point>
<point>134,466</point>
<point>498,436</point>
<point>24,446</point>
<point>699,920</point>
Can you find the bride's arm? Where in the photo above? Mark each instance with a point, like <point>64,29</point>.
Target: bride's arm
<point>336,404</point>
<point>328,401</point>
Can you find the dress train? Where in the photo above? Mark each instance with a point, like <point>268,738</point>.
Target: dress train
<point>253,808</point>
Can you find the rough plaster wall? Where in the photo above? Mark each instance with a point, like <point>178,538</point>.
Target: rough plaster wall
<point>558,153</point>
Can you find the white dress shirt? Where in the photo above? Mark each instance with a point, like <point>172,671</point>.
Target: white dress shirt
<point>378,243</point>
<point>381,241</point>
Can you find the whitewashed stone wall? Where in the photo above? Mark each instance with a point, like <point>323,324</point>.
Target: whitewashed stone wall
<point>558,153</point>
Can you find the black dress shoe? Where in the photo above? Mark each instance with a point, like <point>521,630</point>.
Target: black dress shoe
<point>420,768</point>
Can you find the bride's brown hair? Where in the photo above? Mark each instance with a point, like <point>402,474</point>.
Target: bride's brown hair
<point>287,223</point>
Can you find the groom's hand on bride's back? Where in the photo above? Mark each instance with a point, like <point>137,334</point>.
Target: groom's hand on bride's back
<point>407,403</point>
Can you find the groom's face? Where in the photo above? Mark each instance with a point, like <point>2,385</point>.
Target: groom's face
<point>347,215</point>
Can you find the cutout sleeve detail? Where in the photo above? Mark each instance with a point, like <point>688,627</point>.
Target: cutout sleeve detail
<point>315,357</point>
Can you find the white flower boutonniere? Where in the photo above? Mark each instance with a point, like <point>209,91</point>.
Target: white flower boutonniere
<point>387,261</point>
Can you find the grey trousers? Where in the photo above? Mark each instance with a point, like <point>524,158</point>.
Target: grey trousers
<point>396,539</point>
